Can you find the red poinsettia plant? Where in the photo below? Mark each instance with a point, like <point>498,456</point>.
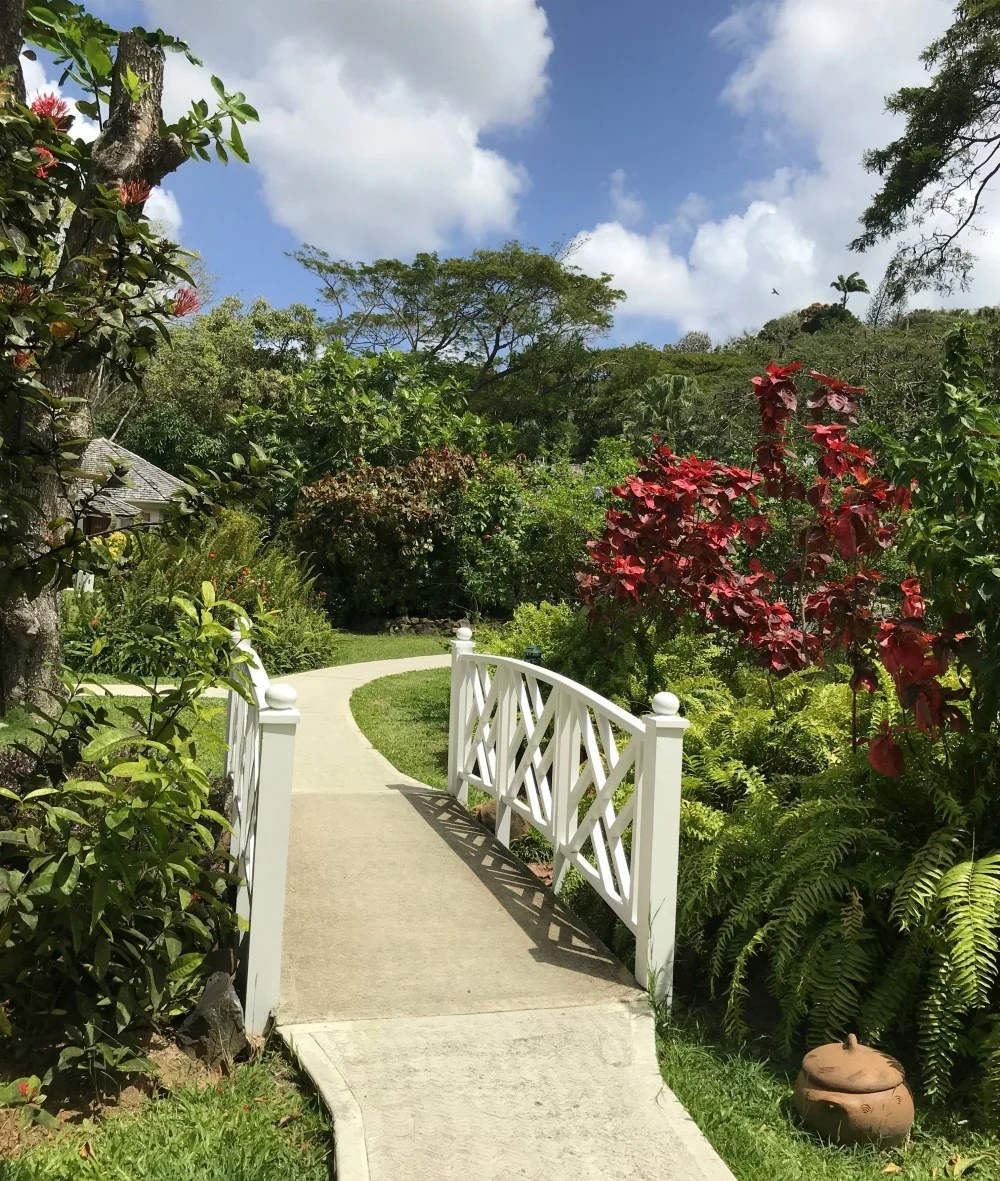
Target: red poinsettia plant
<point>694,535</point>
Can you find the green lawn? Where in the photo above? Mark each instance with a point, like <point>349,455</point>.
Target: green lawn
<point>356,648</point>
<point>210,734</point>
<point>742,1103</point>
<point>253,1126</point>
<point>406,718</point>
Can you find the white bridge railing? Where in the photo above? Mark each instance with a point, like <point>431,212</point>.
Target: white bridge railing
<point>602,785</point>
<point>261,741</point>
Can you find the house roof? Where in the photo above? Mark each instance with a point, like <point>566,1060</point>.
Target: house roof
<point>143,483</point>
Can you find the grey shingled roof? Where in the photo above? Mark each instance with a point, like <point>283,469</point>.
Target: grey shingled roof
<point>144,482</point>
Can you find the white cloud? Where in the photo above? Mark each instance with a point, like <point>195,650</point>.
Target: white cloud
<point>812,77</point>
<point>373,114</point>
<point>164,212</point>
<point>626,207</point>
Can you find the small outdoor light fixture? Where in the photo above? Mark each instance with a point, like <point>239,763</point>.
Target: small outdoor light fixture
<point>533,654</point>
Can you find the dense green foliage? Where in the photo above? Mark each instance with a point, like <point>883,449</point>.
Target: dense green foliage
<point>444,534</point>
<point>130,610</point>
<point>115,880</point>
<point>225,362</point>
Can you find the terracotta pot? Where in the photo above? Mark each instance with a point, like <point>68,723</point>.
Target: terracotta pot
<point>852,1094</point>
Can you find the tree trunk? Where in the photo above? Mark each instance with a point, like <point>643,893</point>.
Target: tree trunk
<point>30,652</point>
<point>131,147</point>
<point>11,18</point>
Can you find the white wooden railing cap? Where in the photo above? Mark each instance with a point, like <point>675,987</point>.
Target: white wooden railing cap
<point>666,705</point>
<point>280,696</point>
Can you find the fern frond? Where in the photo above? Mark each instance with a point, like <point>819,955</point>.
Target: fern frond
<point>918,885</point>
<point>969,896</point>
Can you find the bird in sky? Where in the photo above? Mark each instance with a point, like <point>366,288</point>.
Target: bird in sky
<point>775,291</point>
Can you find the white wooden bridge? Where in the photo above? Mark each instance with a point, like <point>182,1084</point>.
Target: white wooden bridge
<point>459,1021</point>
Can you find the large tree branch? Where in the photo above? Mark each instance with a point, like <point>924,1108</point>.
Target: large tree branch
<point>131,146</point>
<point>11,40</point>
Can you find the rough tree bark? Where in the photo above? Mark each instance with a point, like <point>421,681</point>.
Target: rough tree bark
<point>129,148</point>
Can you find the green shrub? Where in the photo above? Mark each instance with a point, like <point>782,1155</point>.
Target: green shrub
<point>523,530</point>
<point>115,876</point>
<point>860,903</point>
<point>130,609</point>
<point>384,538</point>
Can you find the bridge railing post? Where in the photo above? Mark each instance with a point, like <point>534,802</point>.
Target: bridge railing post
<point>657,839</point>
<point>278,723</point>
<point>462,673</point>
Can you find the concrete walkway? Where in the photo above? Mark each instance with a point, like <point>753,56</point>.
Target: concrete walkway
<point>460,1023</point>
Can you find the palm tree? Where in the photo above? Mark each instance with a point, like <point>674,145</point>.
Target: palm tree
<point>662,407</point>
<point>848,284</point>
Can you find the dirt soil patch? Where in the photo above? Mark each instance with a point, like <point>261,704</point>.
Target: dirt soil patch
<point>73,1101</point>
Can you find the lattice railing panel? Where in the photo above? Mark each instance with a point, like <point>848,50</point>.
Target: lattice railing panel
<point>576,791</point>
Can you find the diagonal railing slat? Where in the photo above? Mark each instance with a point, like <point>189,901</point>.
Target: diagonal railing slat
<point>603,785</point>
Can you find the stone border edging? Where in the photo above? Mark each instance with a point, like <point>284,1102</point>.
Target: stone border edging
<point>350,1150</point>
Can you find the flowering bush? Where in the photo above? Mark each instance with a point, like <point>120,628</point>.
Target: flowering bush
<point>384,538</point>
<point>694,535</point>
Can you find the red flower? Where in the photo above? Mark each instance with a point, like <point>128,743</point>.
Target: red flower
<point>885,754</point>
<point>135,192</point>
<point>186,302</point>
<point>25,293</point>
<point>94,622</point>
<point>46,161</point>
<point>913,600</point>
<point>834,395</point>
<point>24,1089</point>
<point>23,359</point>
<point>51,106</point>
<point>211,555</point>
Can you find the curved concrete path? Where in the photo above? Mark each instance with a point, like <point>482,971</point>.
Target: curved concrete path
<point>459,1021</point>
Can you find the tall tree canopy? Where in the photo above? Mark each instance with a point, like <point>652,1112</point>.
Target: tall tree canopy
<point>935,176</point>
<point>487,311</point>
<point>216,366</point>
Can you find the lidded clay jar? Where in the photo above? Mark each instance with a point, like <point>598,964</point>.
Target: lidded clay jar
<point>852,1094</point>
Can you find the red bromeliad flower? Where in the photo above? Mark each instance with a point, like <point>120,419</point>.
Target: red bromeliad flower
<point>51,106</point>
<point>135,192</point>
<point>186,302</point>
<point>23,360</point>
<point>46,161</point>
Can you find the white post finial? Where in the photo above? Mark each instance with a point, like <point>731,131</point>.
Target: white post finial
<point>279,696</point>
<point>464,633</point>
<point>666,705</point>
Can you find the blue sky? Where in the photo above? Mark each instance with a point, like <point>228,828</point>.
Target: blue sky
<point>702,152</point>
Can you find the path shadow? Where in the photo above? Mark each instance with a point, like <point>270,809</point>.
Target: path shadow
<point>558,935</point>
